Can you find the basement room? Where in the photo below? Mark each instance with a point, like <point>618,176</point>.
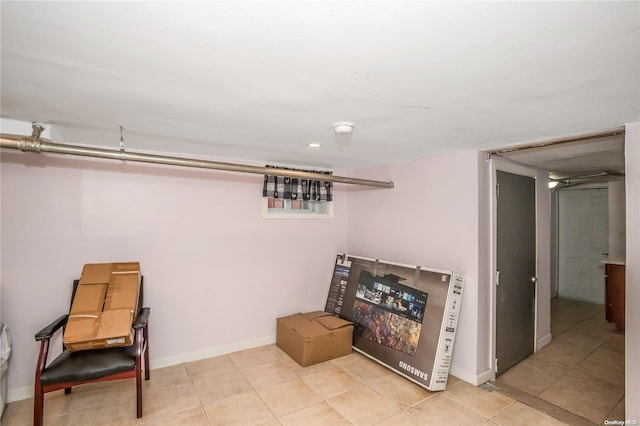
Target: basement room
<point>319,213</point>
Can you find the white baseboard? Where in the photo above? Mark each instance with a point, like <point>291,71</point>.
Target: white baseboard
<point>474,379</point>
<point>27,392</point>
<point>485,377</point>
<point>209,353</point>
<point>19,394</point>
<point>543,341</point>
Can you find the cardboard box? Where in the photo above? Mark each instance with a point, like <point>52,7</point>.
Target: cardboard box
<point>314,337</point>
<point>103,307</point>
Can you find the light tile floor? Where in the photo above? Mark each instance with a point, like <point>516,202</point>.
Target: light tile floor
<point>580,371</point>
<point>264,386</point>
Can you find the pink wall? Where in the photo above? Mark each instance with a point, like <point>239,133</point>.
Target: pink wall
<point>431,219</point>
<point>216,273</point>
<point>208,255</point>
<point>632,334</point>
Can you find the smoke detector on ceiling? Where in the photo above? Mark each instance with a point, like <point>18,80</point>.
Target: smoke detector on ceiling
<point>343,127</point>
<point>342,130</point>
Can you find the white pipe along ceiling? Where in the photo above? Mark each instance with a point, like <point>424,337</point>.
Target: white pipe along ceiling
<point>36,144</point>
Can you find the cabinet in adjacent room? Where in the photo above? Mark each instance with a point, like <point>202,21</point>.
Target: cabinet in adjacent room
<point>615,294</point>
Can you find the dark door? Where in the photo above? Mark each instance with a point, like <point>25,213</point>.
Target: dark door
<point>516,266</point>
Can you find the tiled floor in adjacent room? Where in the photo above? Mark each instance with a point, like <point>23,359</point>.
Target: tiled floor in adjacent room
<point>264,386</point>
<point>580,371</point>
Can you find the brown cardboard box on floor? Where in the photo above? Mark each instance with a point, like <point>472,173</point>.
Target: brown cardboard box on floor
<point>103,307</point>
<point>314,337</point>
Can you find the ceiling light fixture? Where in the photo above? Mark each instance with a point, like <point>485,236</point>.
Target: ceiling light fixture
<point>570,180</point>
<point>314,145</point>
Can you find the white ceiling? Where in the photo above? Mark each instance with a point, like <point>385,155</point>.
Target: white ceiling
<point>257,81</point>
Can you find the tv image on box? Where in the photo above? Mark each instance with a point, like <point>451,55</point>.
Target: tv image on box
<point>405,317</point>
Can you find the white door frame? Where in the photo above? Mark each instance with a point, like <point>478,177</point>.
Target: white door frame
<point>509,166</point>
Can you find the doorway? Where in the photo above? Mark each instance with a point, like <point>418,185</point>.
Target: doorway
<point>593,159</point>
<point>515,269</point>
<point>583,240</point>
